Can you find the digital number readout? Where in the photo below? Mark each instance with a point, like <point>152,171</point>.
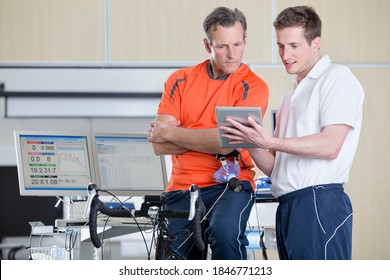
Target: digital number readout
<point>56,162</point>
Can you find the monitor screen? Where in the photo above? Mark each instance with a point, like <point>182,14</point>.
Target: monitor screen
<point>125,164</point>
<point>53,163</point>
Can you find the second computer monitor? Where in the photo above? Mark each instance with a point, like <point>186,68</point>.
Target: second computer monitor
<point>126,165</point>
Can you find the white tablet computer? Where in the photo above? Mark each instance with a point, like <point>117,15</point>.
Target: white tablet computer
<point>240,114</point>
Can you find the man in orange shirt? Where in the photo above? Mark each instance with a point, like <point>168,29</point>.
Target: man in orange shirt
<point>186,128</point>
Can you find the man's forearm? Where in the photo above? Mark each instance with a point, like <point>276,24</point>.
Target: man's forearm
<point>263,159</point>
<point>168,148</point>
<point>203,140</point>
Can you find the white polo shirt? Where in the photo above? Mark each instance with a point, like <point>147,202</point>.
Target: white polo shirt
<point>329,94</point>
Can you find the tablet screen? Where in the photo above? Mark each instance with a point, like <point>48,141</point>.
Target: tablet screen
<point>240,114</point>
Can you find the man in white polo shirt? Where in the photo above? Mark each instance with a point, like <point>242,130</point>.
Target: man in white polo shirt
<point>317,132</point>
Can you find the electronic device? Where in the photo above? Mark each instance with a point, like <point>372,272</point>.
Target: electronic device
<point>64,163</point>
<point>125,165</point>
<point>239,114</point>
<point>53,163</point>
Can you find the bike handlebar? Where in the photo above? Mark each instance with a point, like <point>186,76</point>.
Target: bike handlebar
<point>96,205</point>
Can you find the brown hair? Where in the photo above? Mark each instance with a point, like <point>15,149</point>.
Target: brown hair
<point>300,16</point>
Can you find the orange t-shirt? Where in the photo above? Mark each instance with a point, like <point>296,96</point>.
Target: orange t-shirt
<point>191,95</point>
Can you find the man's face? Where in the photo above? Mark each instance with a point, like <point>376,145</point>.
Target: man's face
<point>297,55</point>
<point>226,49</point>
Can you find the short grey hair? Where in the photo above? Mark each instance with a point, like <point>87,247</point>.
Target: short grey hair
<point>224,17</point>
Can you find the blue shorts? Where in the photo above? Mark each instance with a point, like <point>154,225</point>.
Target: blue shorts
<point>226,222</point>
<point>315,223</point>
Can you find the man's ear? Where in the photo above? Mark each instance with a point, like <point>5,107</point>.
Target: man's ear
<point>207,45</point>
<point>316,43</point>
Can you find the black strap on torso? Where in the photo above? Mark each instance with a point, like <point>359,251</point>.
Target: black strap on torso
<point>234,153</point>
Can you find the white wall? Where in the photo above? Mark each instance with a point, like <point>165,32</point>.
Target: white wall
<point>99,114</point>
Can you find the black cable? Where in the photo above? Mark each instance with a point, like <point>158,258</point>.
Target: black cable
<point>135,220</point>
<point>102,238</point>
<point>154,230</point>
<point>262,245</point>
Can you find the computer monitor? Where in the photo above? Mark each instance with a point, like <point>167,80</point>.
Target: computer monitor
<point>53,163</point>
<point>125,165</point>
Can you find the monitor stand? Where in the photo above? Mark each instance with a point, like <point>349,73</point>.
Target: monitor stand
<point>74,207</point>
